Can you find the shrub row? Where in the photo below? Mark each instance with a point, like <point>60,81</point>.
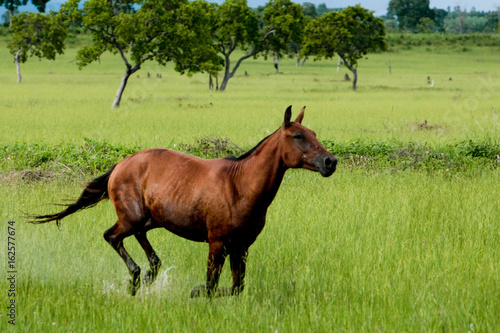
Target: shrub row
<point>92,157</point>
<point>41,161</point>
<point>408,40</point>
<point>461,156</point>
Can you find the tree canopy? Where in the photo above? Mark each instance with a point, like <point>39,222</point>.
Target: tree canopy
<point>351,34</point>
<point>36,34</point>
<point>164,31</point>
<point>237,27</point>
<point>410,12</point>
<point>287,21</point>
<point>13,5</point>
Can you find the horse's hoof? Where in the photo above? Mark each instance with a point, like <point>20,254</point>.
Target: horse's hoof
<point>223,291</point>
<point>199,291</point>
<point>149,277</point>
<point>134,283</point>
<point>133,287</point>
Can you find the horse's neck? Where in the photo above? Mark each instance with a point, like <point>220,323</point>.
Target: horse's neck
<point>261,173</point>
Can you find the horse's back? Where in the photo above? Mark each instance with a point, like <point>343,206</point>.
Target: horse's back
<point>176,190</point>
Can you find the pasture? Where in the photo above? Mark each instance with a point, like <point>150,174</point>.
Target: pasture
<point>369,249</point>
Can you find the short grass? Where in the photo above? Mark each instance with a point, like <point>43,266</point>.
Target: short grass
<point>369,249</point>
<point>69,104</point>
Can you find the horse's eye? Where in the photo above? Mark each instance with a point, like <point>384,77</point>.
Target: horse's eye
<point>298,136</point>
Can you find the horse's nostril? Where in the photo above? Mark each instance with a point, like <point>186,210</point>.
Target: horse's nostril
<point>328,162</point>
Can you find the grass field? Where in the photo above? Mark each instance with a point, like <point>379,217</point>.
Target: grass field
<point>366,250</point>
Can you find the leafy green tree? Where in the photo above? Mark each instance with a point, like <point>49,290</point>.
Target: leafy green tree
<point>351,34</point>
<point>237,27</point>
<point>12,5</point>
<point>323,9</point>
<point>425,25</point>
<point>285,18</point>
<point>309,10</point>
<point>6,17</point>
<point>164,31</point>
<point>409,12</point>
<point>36,34</point>
<point>439,16</point>
<point>40,5</point>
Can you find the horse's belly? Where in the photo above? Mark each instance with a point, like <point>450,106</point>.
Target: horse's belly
<point>182,222</point>
<point>195,234</point>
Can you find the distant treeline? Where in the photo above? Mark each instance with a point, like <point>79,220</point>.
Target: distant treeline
<point>456,21</point>
<point>421,20</point>
<point>409,40</point>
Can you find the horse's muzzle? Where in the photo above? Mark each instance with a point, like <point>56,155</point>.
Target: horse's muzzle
<point>326,163</point>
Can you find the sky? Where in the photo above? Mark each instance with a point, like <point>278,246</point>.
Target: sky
<point>378,6</point>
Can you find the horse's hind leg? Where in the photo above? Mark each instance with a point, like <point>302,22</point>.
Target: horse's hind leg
<point>154,261</point>
<point>114,236</point>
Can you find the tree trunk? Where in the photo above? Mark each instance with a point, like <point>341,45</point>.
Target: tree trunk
<point>123,84</point>
<point>227,66</point>
<point>338,65</point>
<point>227,73</point>
<point>224,82</point>
<point>354,71</point>
<point>18,66</point>
<point>354,79</point>
<point>277,64</point>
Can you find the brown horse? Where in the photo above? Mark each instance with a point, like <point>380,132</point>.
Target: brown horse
<point>222,201</point>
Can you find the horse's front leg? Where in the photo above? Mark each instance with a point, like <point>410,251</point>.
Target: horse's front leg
<point>216,257</point>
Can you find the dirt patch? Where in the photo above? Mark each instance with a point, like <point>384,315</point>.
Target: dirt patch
<point>29,176</point>
<point>425,126</point>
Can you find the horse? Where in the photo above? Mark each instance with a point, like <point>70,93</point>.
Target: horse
<point>219,201</point>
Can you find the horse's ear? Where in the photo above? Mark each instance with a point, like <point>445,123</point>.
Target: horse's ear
<point>288,116</point>
<point>300,116</point>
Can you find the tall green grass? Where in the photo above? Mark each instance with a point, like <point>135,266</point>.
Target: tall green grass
<point>355,252</point>
<point>382,248</point>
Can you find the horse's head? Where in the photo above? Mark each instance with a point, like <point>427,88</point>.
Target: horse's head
<point>301,149</point>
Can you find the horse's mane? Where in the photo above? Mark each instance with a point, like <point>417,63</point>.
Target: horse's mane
<point>248,153</point>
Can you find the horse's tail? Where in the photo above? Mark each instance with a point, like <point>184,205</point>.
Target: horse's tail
<point>95,191</point>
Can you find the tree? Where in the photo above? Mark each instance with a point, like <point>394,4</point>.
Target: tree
<point>159,30</point>
<point>351,34</point>
<point>36,34</point>
<point>425,25</point>
<point>6,17</point>
<point>322,9</point>
<point>237,26</point>
<point>439,16</point>
<point>409,12</point>
<point>40,5</point>
<point>309,10</point>
<point>287,21</point>
<point>12,5</point>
